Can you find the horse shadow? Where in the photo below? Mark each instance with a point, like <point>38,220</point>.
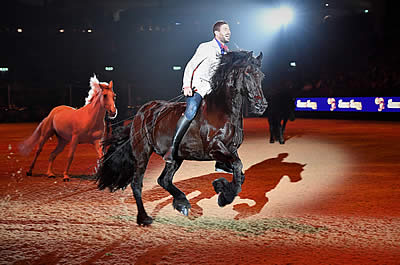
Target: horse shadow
<point>260,179</point>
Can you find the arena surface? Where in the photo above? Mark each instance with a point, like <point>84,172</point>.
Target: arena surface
<point>330,195</point>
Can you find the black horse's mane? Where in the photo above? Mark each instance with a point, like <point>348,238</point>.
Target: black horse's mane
<point>231,61</point>
<point>227,73</point>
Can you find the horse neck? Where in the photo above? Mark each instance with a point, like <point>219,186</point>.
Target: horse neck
<point>95,111</point>
<point>227,99</point>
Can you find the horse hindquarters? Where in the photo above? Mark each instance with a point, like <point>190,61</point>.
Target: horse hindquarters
<point>121,166</point>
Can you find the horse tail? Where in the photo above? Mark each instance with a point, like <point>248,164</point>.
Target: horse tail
<point>116,168</point>
<point>26,146</point>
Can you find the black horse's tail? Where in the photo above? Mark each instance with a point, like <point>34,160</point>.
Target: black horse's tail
<point>116,168</point>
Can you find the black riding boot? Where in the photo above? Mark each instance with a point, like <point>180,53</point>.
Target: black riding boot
<point>181,128</point>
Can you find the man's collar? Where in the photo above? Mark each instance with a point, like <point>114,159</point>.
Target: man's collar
<point>221,45</point>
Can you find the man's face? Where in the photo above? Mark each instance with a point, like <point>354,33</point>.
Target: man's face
<point>224,33</point>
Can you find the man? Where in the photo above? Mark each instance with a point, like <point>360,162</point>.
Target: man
<point>197,81</point>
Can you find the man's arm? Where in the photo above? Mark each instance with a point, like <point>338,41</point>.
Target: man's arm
<point>199,57</point>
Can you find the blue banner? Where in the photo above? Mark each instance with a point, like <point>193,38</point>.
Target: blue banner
<point>355,104</point>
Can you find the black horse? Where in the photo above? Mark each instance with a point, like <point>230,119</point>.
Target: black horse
<point>281,108</point>
<point>215,134</point>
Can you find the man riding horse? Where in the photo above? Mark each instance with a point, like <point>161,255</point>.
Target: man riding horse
<point>197,84</point>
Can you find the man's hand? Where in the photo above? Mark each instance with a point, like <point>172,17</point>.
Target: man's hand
<point>187,91</point>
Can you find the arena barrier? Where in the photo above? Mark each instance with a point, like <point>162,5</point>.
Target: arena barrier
<point>349,104</point>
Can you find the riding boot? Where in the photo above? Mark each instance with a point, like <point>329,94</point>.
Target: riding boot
<point>181,128</point>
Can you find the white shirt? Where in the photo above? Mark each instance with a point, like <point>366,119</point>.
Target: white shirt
<point>200,69</point>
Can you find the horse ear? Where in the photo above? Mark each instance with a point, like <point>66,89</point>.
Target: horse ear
<point>260,56</point>
<point>110,85</point>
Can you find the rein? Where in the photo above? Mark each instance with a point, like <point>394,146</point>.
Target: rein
<point>175,99</point>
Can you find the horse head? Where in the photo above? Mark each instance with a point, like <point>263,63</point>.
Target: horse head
<point>102,92</point>
<point>239,73</point>
<point>252,84</point>
<point>107,99</point>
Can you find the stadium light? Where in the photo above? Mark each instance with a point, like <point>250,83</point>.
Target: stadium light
<point>3,69</point>
<point>109,68</point>
<point>176,68</point>
<point>277,17</point>
<point>19,30</point>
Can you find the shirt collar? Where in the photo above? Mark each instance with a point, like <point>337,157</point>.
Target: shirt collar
<point>222,46</point>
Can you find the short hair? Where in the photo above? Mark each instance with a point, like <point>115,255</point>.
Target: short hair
<point>218,25</point>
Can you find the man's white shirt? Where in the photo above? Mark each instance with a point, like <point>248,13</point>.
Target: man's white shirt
<point>202,67</point>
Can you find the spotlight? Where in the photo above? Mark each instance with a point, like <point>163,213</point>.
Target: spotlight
<point>279,17</point>
<point>19,30</point>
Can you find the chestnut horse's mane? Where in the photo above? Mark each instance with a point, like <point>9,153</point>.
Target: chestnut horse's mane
<point>95,88</point>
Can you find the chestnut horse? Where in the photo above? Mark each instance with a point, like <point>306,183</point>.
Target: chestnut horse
<point>216,133</point>
<point>75,126</point>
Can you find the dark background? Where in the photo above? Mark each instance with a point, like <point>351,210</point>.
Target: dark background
<point>339,50</point>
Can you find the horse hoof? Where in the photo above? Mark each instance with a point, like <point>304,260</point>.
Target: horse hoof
<point>185,211</point>
<point>219,184</point>
<point>29,173</point>
<point>66,179</point>
<point>51,176</point>
<point>271,141</point>
<point>182,205</point>
<point>222,200</point>
<point>144,221</point>
<point>282,142</point>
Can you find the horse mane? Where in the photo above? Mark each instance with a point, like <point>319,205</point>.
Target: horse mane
<point>227,74</point>
<point>232,61</point>
<point>95,88</point>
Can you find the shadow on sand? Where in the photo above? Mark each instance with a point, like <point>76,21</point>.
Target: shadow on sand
<point>260,178</point>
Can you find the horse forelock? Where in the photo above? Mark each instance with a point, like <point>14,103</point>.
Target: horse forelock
<point>95,88</point>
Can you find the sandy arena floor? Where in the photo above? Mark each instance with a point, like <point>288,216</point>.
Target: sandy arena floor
<point>330,195</point>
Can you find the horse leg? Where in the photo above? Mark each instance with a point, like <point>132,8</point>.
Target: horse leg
<point>97,147</point>
<point>74,143</point>
<point>285,120</point>
<point>99,151</point>
<point>137,186</point>
<point>60,147</point>
<point>282,131</point>
<point>141,160</point>
<point>228,190</point>
<point>180,203</point>
<point>271,130</point>
<point>42,141</point>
